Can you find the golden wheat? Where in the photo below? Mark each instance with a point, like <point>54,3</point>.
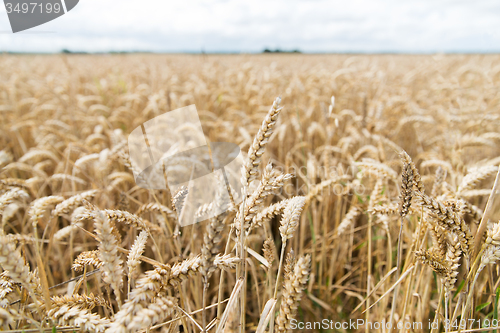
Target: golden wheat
<point>322,175</point>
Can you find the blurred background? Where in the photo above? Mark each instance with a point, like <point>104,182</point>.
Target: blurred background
<point>221,26</point>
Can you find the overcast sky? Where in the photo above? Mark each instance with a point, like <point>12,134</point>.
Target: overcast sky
<point>252,25</point>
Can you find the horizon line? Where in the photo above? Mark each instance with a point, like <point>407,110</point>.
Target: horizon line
<point>264,52</point>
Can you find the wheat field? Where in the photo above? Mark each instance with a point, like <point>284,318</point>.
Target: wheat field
<point>370,189</point>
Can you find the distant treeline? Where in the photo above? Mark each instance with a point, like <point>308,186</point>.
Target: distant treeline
<point>66,51</point>
<point>280,51</point>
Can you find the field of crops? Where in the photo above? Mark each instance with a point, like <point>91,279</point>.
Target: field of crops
<point>367,194</point>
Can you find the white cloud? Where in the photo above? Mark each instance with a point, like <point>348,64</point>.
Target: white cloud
<point>250,26</point>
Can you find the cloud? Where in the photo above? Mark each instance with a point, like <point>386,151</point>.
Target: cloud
<point>250,26</point>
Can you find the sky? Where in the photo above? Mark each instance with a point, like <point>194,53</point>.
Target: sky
<point>409,26</point>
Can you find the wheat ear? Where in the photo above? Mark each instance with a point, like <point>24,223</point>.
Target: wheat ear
<point>348,219</point>
<point>40,205</point>
<point>12,261</point>
<point>108,254</point>
<point>69,204</point>
<point>289,223</point>
<point>79,316</point>
<point>410,179</point>
<point>272,180</point>
<point>87,258</point>
<point>449,220</point>
<point>147,288</point>
<point>14,194</point>
<point>251,167</point>
<point>475,176</point>
<point>291,216</point>
<point>154,312</point>
<point>295,282</point>
<point>136,251</point>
